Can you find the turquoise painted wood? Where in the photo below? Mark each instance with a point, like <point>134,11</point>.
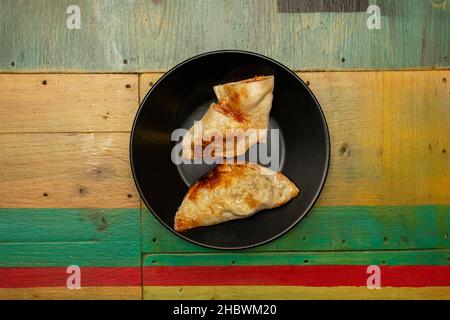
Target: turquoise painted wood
<point>137,36</point>
<point>334,228</point>
<point>62,237</point>
<point>401,257</point>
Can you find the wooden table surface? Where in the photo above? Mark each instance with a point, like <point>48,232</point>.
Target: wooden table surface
<point>67,197</point>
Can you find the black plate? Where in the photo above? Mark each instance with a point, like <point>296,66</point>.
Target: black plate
<point>181,96</point>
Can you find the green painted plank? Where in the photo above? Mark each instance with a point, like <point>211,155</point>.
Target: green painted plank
<point>155,35</point>
<point>334,228</point>
<point>403,257</point>
<point>61,237</point>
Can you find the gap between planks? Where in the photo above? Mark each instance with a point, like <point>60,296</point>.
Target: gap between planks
<point>140,72</point>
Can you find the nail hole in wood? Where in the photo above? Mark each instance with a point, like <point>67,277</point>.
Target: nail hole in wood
<point>44,82</point>
<point>385,239</point>
<point>125,61</point>
<point>444,152</point>
<point>150,83</point>
<point>306,261</point>
<point>344,150</point>
<point>153,261</point>
<point>129,195</point>
<point>304,238</point>
<point>154,240</point>
<point>233,262</point>
<point>343,60</point>
<point>81,190</point>
<point>13,63</point>
<point>127,86</point>
<point>444,80</point>
<point>308,83</point>
<point>343,241</point>
<point>45,194</point>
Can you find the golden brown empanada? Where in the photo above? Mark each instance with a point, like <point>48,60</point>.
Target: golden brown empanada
<point>241,106</point>
<point>233,191</point>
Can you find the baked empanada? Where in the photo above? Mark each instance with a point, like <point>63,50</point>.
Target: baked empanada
<point>233,191</point>
<point>241,106</point>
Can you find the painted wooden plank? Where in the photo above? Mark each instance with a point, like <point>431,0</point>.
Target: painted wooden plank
<point>381,136</point>
<point>146,81</point>
<point>63,237</point>
<point>289,275</point>
<point>416,136</point>
<point>292,293</point>
<point>381,139</point>
<point>36,277</point>
<point>154,36</point>
<point>67,103</point>
<point>334,228</point>
<point>67,170</point>
<point>322,5</point>
<point>84,293</point>
<point>303,258</point>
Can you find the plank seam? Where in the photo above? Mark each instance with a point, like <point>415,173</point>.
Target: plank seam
<point>140,72</point>
<point>148,254</point>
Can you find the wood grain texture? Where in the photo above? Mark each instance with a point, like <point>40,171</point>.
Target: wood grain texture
<point>67,170</point>
<point>294,275</point>
<point>67,102</point>
<point>63,237</point>
<point>84,293</point>
<point>58,277</point>
<point>389,152</point>
<point>155,35</point>
<point>303,258</point>
<point>334,228</point>
<point>321,5</point>
<point>381,136</point>
<point>291,293</point>
<point>382,125</point>
<point>146,82</point>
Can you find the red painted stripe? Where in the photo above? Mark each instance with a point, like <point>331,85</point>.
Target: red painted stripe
<point>393,276</point>
<point>57,277</point>
<point>313,276</point>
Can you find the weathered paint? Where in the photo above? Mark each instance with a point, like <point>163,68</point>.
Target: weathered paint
<point>335,228</point>
<point>303,258</point>
<point>63,237</point>
<point>142,35</point>
<point>291,293</point>
<point>291,275</point>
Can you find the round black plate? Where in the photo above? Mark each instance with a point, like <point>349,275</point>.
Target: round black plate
<point>180,97</point>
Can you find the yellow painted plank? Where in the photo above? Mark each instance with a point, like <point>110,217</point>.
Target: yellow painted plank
<point>84,293</point>
<point>381,125</point>
<point>352,105</point>
<point>389,146</point>
<point>179,293</point>
<point>146,81</point>
<point>292,293</point>
<point>389,135</point>
<point>67,102</point>
<point>66,170</point>
<point>416,136</point>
